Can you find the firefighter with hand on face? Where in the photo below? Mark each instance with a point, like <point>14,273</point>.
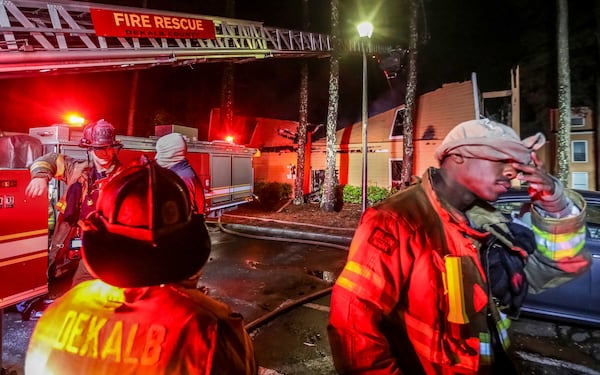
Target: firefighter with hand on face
<point>84,179</point>
<point>143,315</point>
<point>434,272</point>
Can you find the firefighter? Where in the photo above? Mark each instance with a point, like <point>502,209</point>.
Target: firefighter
<point>84,179</point>
<point>171,153</point>
<point>143,314</point>
<point>434,271</point>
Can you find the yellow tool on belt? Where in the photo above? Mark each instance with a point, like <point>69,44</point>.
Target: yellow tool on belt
<point>453,279</point>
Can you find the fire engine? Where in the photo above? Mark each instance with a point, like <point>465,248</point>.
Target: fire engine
<point>225,170</point>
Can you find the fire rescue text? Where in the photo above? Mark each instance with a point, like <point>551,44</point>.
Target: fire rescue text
<point>159,22</point>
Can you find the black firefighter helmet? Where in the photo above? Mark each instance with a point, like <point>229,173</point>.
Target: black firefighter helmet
<point>143,232</point>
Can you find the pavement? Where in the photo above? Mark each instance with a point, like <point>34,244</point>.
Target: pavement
<point>545,347</point>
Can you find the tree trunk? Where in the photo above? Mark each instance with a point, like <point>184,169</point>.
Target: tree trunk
<point>133,93</point>
<point>227,85</point>
<point>411,94</point>
<point>564,92</point>
<point>329,185</point>
<point>301,133</point>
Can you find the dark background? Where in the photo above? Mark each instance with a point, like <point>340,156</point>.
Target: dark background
<point>457,38</point>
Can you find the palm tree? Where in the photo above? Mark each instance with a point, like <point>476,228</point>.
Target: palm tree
<point>303,119</point>
<point>227,86</point>
<point>411,93</point>
<point>564,91</point>
<point>329,184</point>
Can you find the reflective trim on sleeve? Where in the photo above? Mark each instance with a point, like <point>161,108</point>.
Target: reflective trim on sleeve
<point>366,284</point>
<point>40,166</point>
<point>559,246</point>
<point>60,166</point>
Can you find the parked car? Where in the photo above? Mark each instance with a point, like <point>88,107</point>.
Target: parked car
<point>578,300</point>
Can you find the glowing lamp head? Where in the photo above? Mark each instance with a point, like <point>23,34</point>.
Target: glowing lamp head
<point>229,138</point>
<point>365,29</point>
<point>74,119</point>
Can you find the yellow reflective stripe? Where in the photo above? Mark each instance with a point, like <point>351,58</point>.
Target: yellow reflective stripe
<point>559,246</point>
<point>41,164</point>
<point>345,283</point>
<point>60,166</point>
<point>365,273</point>
<point>366,284</point>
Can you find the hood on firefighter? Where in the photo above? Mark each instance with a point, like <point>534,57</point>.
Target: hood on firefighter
<point>170,150</point>
<point>143,232</point>
<point>486,139</point>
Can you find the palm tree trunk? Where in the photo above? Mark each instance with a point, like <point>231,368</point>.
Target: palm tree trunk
<point>329,185</point>
<point>303,120</point>
<point>227,86</point>
<point>564,91</point>
<point>411,94</point>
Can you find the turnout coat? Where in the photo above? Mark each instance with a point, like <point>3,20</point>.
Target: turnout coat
<point>399,306</point>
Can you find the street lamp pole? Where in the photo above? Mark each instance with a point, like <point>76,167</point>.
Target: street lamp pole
<point>365,30</point>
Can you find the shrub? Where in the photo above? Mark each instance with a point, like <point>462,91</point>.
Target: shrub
<point>270,194</point>
<point>353,194</point>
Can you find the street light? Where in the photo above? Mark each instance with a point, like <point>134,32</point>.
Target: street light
<point>365,30</point>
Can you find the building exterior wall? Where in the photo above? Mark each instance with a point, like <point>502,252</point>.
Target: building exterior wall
<point>582,129</point>
<point>274,167</point>
<point>437,112</point>
<point>588,166</point>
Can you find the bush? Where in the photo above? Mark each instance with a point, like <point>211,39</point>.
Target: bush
<point>270,194</point>
<point>353,194</point>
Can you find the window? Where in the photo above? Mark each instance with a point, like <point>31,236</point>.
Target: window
<point>395,172</point>
<point>579,180</point>
<point>579,151</point>
<point>398,125</point>
<point>577,121</point>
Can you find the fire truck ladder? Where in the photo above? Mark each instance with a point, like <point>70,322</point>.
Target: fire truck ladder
<point>39,37</point>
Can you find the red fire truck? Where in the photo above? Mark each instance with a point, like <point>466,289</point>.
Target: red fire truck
<point>225,170</point>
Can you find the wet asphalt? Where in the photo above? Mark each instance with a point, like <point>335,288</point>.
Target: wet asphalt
<point>281,289</point>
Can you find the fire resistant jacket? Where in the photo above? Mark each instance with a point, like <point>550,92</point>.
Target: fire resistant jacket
<point>70,171</point>
<point>96,328</point>
<point>400,306</point>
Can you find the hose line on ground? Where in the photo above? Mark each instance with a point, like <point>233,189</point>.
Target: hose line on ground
<point>284,308</point>
<point>295,303</point>
<point>281,239</point>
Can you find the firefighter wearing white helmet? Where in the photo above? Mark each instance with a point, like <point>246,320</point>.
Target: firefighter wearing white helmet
<point>142,315</point>
<point>84,178</point>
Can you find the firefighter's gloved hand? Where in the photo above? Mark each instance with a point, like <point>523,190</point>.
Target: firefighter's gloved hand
<point>507,278</point>
<point>37,187</point>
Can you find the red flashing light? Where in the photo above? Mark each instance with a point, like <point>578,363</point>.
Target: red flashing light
<point>229,138</point>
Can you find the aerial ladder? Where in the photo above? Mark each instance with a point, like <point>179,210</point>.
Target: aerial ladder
<point>41,37</point>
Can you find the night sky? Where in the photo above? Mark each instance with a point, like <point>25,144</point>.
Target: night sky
<point>457,38</point>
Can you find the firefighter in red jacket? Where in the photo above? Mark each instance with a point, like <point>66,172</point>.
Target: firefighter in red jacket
<point>434,272</point>
<point>84,179</point>
<point>143,314</point>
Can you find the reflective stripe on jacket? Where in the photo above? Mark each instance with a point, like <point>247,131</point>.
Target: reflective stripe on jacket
<point>96,328</point>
